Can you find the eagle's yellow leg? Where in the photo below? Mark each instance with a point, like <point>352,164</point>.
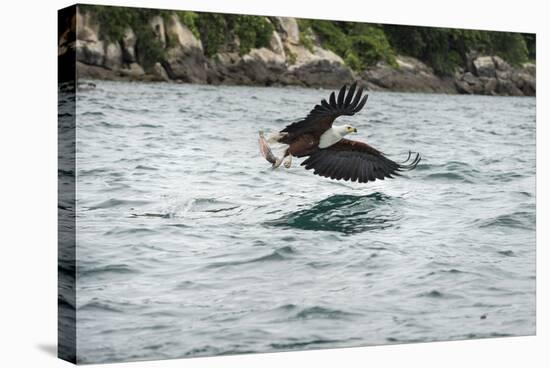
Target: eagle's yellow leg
<point>288,162</point>
<point>279,161</point>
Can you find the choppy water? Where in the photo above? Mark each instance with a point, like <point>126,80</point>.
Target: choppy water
<point>190,245</point>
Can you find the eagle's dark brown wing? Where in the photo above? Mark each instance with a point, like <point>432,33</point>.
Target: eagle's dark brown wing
<point>356,161</point>
<point>323,115</point>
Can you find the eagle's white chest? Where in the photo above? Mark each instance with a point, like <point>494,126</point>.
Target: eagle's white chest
<point>329,137</point>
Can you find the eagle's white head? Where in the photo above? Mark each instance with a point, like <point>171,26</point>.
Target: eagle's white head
<point>344,130</point>
<point>335,134</point>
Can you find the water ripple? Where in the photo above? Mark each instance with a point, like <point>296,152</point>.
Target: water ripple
<point>347,214</point>
<point>189,242</point>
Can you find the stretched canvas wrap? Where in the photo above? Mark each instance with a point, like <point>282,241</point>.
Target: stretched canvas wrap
<point>226,186</point>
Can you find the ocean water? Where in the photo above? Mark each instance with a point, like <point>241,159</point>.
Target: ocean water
<point>190,245</point>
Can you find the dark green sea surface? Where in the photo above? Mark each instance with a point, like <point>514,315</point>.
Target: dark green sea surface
<point>190,245</point>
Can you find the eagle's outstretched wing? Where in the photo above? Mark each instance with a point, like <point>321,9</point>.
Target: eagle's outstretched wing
<point>356,161</point>
<point>322,116</point>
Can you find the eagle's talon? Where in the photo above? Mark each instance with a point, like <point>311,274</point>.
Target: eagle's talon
<point>277,163</point>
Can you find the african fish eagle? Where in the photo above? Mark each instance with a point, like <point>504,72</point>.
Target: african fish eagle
<point>329,153</point>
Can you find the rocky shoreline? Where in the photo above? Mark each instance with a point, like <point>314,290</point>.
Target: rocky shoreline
<point>286,61</point>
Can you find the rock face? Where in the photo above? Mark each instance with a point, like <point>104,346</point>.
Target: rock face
<point>89,49</point>
<point>157,24</point>
<point>129,41</point>
<point>133,70</point>
<point>526,82</point>
<point>260,66</point>
<point>263,66</point>
<point>411,76</point>
<point>284,61</point>
<point>484,66</point>
<point>288,28</point>
<point>276,44</point>
<point>159,73</point>
<point>113,56</point>
<point>94,72</point>
<point>185,61</point>
<point>491,75</point>
<point>316,68</point>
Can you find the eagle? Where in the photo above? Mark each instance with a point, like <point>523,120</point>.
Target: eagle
<point>328,153</point>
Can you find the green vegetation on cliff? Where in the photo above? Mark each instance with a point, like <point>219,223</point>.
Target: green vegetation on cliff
<point>114,22</point>
<point>445,49</point>
<point>190,20</point>
<point>253,32</point>
<point>214,30</point>
<point>218,30</point>
<point>359,44</point>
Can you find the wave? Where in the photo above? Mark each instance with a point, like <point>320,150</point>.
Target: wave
<point>449,176</point>
<point>132,110</point>
<point>92,113</point>
<point>106,270</point>
<point>206,207</point>
<point>130,330</point>
<point>105,124</point>
<point>202,207</point>
<point>290,344</point>
<point>295,312</point>
<point>474,335</point>
<point>144,167</point>
<point>318,312</point>
<point>451,271</point>
<point>300,344</point>
<point>203,351</point>
<point>181,226</point>
<point>185,285</point>
<point>110,203</point>
<point>146,125</point>
<point>137,231</point>
<point>346,214</point>
<point>279,254</point>
<point>93,172</point>
<point>405,341</point>
<point>95,305</point>
<point>156,215</point>
<point>65,303</point>
<point>515,220</point>
<point>286,308</point>
<point>65,173</point>
<point>451,171</point>
<point>507,177</point>
<point>436,294</point>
